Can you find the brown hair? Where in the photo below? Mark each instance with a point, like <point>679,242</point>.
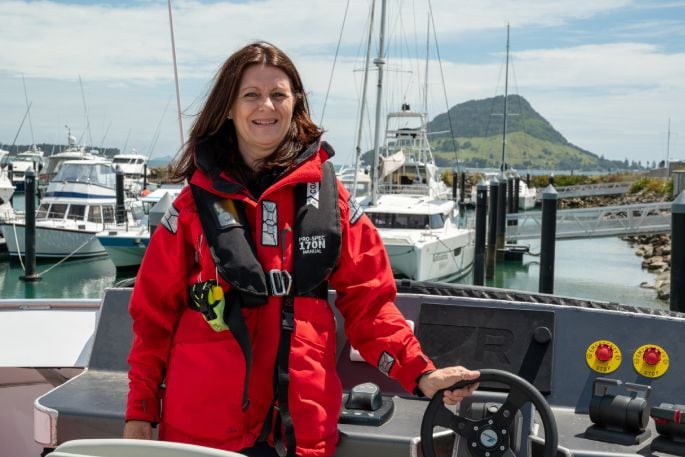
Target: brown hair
<point>215,134</point>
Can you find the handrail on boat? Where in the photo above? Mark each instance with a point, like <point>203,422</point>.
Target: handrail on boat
<point>14,304</point>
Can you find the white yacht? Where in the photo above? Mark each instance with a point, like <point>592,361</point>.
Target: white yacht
<point>527,196</point>
<point>135,171</point>
<point>356,181</point>
<point>31,158</point>
<point>54,162</point>
<point>79,202</point>
<point>413,211</point>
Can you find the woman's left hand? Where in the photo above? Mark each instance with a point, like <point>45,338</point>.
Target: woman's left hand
<point>443,378</point>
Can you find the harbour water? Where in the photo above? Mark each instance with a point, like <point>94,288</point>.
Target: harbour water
<point>603,269</point>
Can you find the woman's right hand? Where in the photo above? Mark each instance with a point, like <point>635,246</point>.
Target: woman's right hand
<point>138,430</point>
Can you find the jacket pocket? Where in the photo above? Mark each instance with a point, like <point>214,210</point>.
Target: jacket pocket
<point>204,384</point>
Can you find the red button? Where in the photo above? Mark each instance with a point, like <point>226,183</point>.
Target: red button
<point>604,352</point>
<point>652,356</point>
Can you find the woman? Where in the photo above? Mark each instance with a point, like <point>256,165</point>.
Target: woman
<point>230,305</point>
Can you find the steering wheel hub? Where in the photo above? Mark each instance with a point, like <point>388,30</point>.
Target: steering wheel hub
<point>489,438</point>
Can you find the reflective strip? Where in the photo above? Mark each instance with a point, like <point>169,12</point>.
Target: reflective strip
<point>356,211</point>
<point>269,223</point>
<point>170,219</point>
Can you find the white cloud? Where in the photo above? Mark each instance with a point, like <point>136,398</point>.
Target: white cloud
<point>610,97</point>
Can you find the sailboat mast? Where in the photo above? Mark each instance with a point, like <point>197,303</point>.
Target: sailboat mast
<point>425,74</point>
<point>358,148</point>
<point>379,62</point>
<point>504,117</point>
<point>178,95</point>
<point>668,144</point>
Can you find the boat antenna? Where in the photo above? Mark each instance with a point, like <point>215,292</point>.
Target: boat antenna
<point>26,97</point>
<point>178,93</point>
<point>362,109</point>
<point>379,61</point>
<point>504,117</point>
<point>28,109</point>
<point>85,110</point>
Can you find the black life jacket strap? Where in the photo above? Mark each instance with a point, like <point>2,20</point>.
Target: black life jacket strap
<point>236,323</point>
<point>284,446</point>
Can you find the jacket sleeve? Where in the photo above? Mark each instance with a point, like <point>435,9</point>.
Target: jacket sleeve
<point>159,297</point>
<point>366,291</point>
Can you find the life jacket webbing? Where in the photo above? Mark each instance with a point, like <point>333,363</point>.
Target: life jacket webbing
<point>242,336</point>
<point>284,419</point>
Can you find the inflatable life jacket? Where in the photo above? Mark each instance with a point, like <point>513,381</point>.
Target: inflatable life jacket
<point>317,235</point>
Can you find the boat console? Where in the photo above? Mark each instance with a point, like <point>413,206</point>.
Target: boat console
<point>558,376</point>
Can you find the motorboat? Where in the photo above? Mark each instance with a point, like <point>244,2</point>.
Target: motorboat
<point>6,192</point>
<point>559,377</point>
<point>32,158</point>
<point>126,245</point>
<point>54,162</point>
<point>80,201</point>
<point>356,181</point>
<point>414,213</point>
<point>135,170</point>
<point>411,206</point>
<point>527,195</point>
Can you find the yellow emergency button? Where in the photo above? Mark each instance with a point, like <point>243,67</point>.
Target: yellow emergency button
<point>650,360</point>
<point>603,356</point>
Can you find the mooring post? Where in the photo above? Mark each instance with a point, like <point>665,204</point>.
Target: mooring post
<point>678,253</point>
<point>548,239</point>
<point>501,217</point>
<point>144,176</point>
<point>462,188</point>
<point>517,189</point>
<point>510,194</point>
<point>481,214</point>
<point>454,185</point>
<point>492,229</point>
<point>120,214</point>
<point>10,176</point>
<point>30,226</point>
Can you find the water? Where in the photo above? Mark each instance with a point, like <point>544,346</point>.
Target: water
<point>602,269</point>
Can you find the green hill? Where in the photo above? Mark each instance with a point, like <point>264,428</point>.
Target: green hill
<point>532,142</point>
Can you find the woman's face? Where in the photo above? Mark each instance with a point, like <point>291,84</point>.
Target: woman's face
<point>262,112</point>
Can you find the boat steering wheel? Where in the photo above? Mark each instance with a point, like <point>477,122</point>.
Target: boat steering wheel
<point>489,437</point>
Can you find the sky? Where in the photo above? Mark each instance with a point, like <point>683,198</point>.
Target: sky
<point>609,75</point>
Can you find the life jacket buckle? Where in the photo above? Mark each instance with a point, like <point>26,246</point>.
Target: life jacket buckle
<point>281,282</point>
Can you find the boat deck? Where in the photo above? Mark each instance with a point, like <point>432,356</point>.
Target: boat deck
<point>545,339</point>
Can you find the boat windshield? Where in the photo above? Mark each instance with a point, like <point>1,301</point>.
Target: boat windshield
<point>406,221</point>
<point>93,173</point>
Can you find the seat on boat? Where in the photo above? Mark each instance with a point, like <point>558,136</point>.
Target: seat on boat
<point>135,448</point>
<point>92,404</point>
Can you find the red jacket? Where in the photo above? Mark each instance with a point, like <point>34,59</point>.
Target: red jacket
<point>203,370</point>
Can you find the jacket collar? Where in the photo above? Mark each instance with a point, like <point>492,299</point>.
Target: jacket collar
<point>305,168</point>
